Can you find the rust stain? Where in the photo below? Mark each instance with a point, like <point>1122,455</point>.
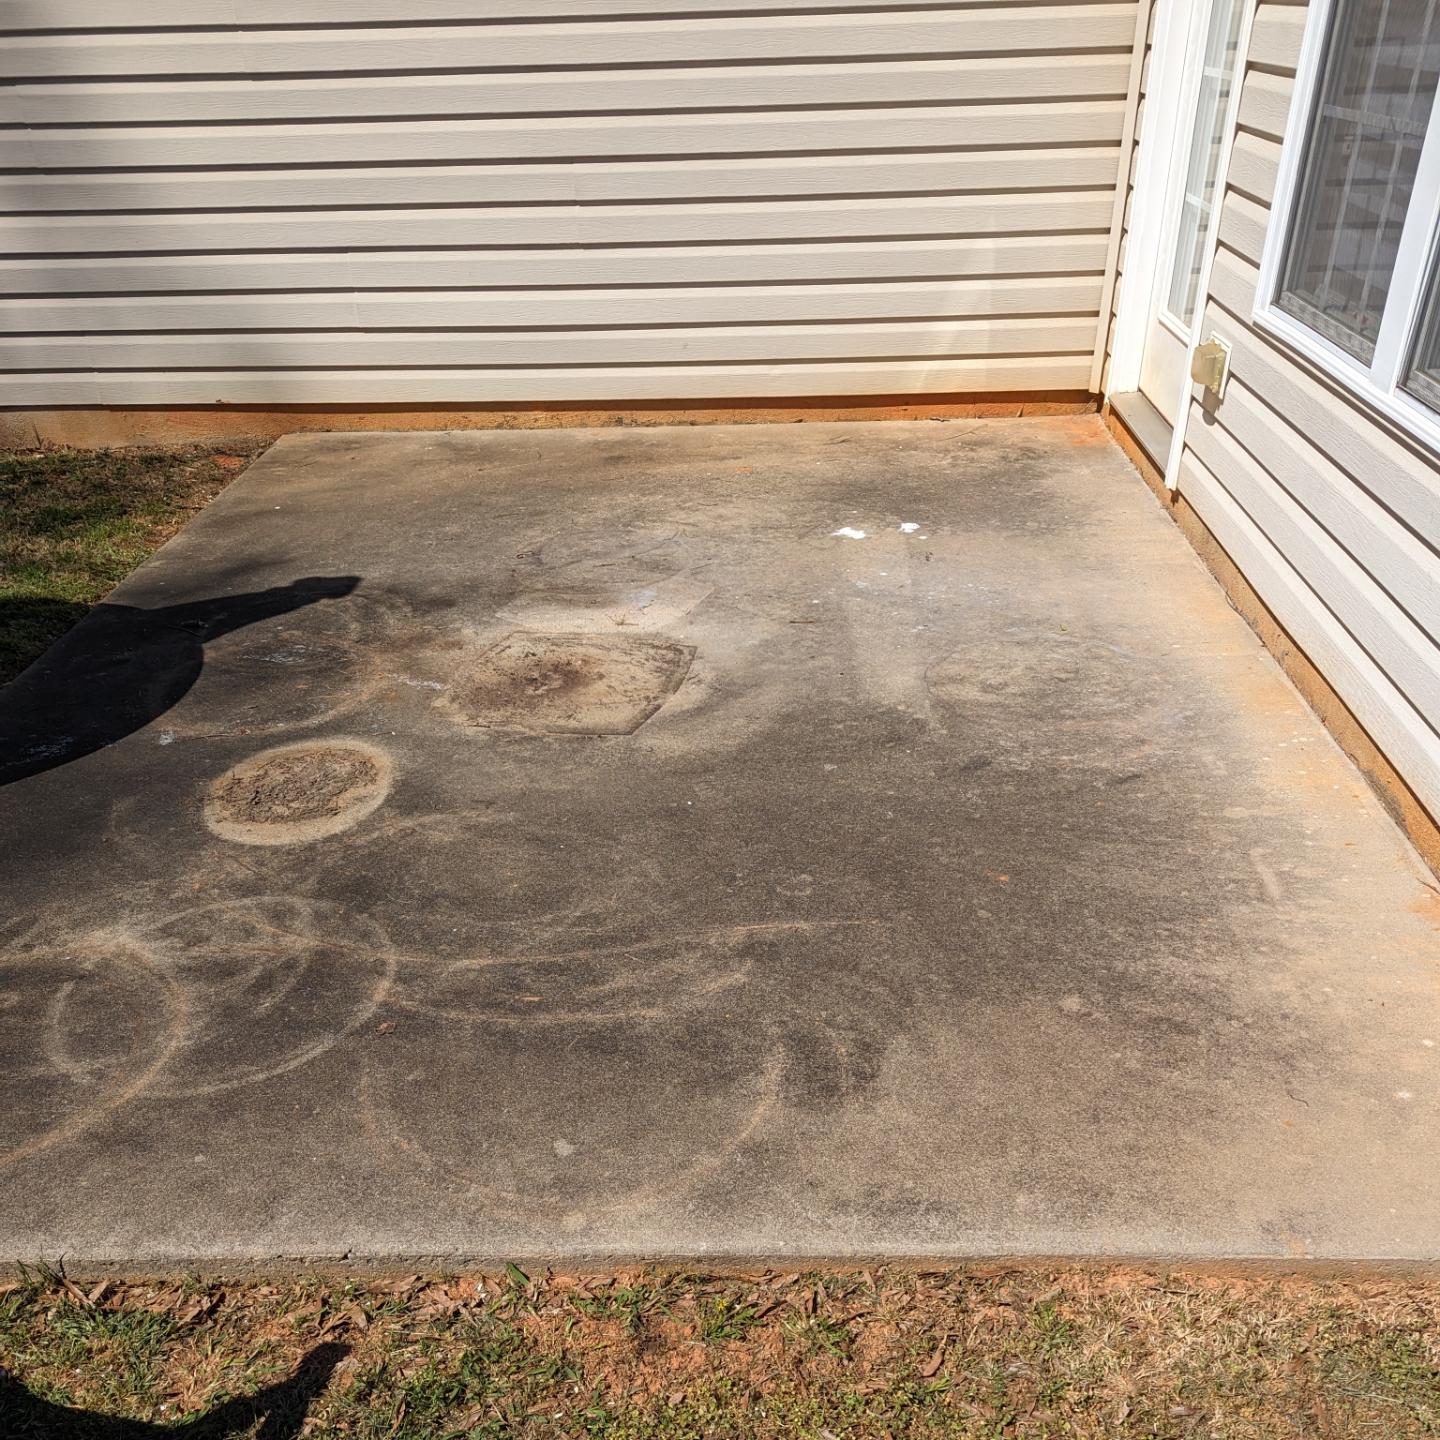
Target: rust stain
<point>155,425</point>
<point>1427,906</point>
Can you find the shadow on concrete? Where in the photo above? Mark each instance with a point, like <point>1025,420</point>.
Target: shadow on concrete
<point>124,666</point>
<point>277,1412</point>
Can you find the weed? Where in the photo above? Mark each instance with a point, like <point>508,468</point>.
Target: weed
<point>721,1317</point>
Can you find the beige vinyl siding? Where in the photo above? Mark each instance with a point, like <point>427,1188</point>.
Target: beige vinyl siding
<point>370,201</point>
<point>1131,162</point>
<point>1332,516</point>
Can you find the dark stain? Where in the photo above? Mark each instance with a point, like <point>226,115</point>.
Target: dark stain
<point>125,666</point>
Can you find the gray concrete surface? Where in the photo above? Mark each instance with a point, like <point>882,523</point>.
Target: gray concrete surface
<point>648,869</point>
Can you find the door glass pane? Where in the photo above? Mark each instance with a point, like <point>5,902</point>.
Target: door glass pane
<point>1197,201</point>
<point>1382,61</point>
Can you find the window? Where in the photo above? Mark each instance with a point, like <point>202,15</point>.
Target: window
<point>1197,199</point>
<point>1350,273</point>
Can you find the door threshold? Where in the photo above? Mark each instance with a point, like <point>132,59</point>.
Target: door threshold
<point>1151,430</point>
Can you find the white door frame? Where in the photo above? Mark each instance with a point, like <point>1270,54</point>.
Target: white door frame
<point>1175,23</point>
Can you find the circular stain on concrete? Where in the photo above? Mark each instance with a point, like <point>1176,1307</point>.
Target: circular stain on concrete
<point>300,792</point>
<point>82,1032</point>
<point>569,684</point>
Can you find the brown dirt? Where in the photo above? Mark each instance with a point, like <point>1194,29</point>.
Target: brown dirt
<point>569,684</point>
<point>303,785</point>
<point>297,792</point>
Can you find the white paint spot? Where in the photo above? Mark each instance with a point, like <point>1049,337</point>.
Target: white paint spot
<point>849,532</point>
<point>419,684</point>
<point>1428,1044</point>
<point>1403,1095</point>
<point>167,737</point>
<point>909,527</point>
<point>563,1148</point>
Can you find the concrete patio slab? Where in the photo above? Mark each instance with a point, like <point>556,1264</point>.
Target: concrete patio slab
<point>822,840</point>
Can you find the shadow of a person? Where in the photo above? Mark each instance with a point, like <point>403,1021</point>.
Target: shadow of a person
<point>123,666</point>
<point>280,1410</point>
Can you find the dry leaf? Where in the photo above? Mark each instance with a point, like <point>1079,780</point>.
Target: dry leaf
<point>935,1361</point>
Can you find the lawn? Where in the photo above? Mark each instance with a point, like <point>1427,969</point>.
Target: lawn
<point>1028,1352</point>
<point>74,523</point>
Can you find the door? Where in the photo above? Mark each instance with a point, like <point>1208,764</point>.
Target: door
<point>1210,42</point>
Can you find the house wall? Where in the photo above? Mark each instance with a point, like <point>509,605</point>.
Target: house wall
<point>1331,515</point>
<point>489,201</point>
<point>1130,164</point>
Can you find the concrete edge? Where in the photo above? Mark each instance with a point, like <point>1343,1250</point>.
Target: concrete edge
<point>282,1268</point>
<point>1399,800</point>
<point>108,427</point>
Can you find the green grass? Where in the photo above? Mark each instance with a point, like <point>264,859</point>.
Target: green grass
<point>74,523</point>
<point>1025,1354</point>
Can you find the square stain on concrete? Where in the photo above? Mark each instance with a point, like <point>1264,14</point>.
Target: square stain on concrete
<point>569,684</point>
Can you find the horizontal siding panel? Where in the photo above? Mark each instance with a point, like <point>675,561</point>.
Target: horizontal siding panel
<point>1405,654</point>
<point>18,16</point>
<point>1002,77</point>
<point>1408,568</point>
<point>755,177</point>
<point>320,350</point>
<point>1243,225</point>
<point>1397,476</point>
<point>610,383</point>
<point>581,225</point>
<point>328,202</point>
<point>1276,35</point>
<point>608,43</point>
<point>567,137</point>
<point>638,265</point>
<point>1254,167</point>
<point>1409,743</point>
<point>696,305</point>
<point>1265,103</point>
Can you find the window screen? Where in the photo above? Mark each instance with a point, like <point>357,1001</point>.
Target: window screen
<point>1381,64</point>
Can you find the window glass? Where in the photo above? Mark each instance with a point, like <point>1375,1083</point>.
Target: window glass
<point>1197,202</point>
<point>1423,379</point>
<point>1381,64</point>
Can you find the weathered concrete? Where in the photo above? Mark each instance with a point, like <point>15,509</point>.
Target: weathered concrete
<point>978,888</point>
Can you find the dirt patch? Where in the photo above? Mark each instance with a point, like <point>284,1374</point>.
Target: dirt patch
<point>298,792</point>
<point>568,684</point>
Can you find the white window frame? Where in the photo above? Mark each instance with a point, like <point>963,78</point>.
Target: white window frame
<point>1377,385</point>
